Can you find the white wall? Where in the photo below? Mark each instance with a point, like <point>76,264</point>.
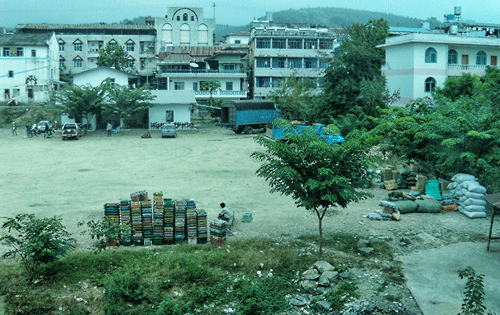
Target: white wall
<point>182,113</point>
<point>96,76</point>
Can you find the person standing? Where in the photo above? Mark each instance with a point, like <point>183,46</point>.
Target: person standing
<point>14,129</point>
<point>109,127</point>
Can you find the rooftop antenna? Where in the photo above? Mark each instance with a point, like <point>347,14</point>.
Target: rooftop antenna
<point>213,5</point>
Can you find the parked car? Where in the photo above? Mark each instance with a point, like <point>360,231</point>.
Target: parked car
<point>42,125</point>
<point>168,130</point>
<point>70,130</point>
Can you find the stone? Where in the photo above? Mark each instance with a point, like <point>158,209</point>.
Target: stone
<point>366,250</point>
<point>330,275</point>
<point>323,306</point>
<point>311,274</point>
<point>323,266</point>
<point>362,243</point>
<point>375,240</point>
<point>344,275</point>
<point>298,300</point>
<point>311,287</point>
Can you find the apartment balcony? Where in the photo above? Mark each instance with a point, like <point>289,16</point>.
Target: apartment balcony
<point>456,70</point>
<point>184,73</point>
<point>204,95</point>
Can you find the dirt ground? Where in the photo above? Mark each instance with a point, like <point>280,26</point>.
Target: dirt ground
<point>73,179</point>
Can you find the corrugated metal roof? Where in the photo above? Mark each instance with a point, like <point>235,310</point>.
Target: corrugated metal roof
<point>57,27</point>
<point>197,53</point>
<point>21,39</point>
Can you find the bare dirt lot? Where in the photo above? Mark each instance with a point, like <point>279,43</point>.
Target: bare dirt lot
<point>74,179</point>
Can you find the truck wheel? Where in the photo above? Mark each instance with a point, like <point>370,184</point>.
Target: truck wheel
<point>248,130</point>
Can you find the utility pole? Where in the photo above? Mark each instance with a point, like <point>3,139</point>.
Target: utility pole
<point>213,5</point>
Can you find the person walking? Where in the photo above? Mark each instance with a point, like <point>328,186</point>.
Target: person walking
<point>109,127</point>
<point>14,129</point>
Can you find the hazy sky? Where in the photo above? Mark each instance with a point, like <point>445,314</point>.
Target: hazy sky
<point>232,12</point>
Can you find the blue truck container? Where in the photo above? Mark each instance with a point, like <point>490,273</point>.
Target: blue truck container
<point>277,133</point>
<point>244,116</point>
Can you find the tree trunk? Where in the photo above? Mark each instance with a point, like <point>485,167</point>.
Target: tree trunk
<point>321,236</point>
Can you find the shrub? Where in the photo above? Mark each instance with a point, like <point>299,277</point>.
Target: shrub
<point>36,241</point>
<point>121,289</point>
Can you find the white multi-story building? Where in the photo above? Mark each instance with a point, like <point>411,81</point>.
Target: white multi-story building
<point>79,44</point>
<point>417,63</point>
<point>29,67</point>
<point>277,52</point>
<point>187,68</point>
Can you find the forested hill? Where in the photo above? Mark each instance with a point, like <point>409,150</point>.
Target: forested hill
<point>329,17</point>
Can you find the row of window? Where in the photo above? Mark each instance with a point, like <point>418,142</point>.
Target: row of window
<point>78,45</point>
<point>431,57</point>
<point>19,52</point>
<point>276,82</point>
<point>294,63</point>
<point>180,85</point>
<point>294,43</point>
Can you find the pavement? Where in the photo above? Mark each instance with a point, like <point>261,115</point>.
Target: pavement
<point>432,276</point>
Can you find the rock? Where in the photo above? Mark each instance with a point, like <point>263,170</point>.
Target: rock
<point>323,266</point>
<point>362,243</point>
<point>344,275</point>
<point>366,250</point>
<point>406,240</point>
<point>396,216</point>
<point>311,274</point>
<point>323,306</point>
<point>327,277</point>
<point>375,240</point>
<point>311,287</point>
<point>298,300</point>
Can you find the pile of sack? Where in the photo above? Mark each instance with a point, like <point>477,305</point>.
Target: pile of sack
<point>398,203</point>
<point>469,192</point>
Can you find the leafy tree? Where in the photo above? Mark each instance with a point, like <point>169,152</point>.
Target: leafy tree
<point>211,86</point>
<point>456,87</point>
<point>112,55</point>
<point>294,98</point>
<point>124,102</point>
<point>36,241</point>
<point>317,175</point>
<point>353,82</point>
<point>80,101</point>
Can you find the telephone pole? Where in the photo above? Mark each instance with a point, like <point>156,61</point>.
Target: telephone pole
<point>213,5</point>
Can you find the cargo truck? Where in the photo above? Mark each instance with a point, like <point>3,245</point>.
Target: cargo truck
<point>246,116</point>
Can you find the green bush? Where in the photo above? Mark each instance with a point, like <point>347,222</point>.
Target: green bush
<point>27,301</point>
<point>262,296</point>
<point>121,289</point>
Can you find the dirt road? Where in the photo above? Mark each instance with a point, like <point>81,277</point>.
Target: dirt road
<point>74,179</point>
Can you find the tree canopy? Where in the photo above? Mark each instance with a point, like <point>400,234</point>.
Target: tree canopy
<point>317,175</point>
<point>80,101</point>
<point>112,55</point>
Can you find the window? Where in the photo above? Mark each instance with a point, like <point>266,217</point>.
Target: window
<point>78,46</point>
<point>430,85</point>
<point>279,62</point>
<point>263,43</point>
<point>310,43</point>
<point>192,18</point>
<point>279,43</point>
<point>162,83</point>
<point>430,55</point>
<point>61,64</point>
<point>130,46</point>
<point>20,51</point>
<point>323,64</point>
<point>185,17</point>
<point>294,62</point>
<point>195,86</point>
<point>61,47</point>
<point>229,67</point>
<point>130,63</point>
<point>178,85</point>
<point>185,34</point>
<point>310,62</point>
<point>169,116</point>
<point>277,82</point>
<point>6,52</point>
<point>263,62</point>
<point>481,58</point>
<point>229,86</point>
<point>237,41</point>
<point>33,53</point>
<point>262,82</point>
<point>178,18</point>
<point>326,43</point>
<point>452,57</point>
<point>294,43</point>
<point>11,73</point>
<point>78,62</point>
<point>493,62</point>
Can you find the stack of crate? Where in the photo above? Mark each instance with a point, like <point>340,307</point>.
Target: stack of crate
<point>191,222</point>
<point>168,221</point>
<point>125,223</point>
<point>147,221</point>
<point>180,221</point>
<point>217,232</point>
<point>158,218</point>
<point>202,226</point>
<point>136,215</point>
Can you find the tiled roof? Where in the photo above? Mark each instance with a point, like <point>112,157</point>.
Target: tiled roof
<point>20,39</point>
<point>197,53</point>
<point>57,27</point>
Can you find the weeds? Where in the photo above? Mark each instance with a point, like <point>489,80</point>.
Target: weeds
<point>474,293</point>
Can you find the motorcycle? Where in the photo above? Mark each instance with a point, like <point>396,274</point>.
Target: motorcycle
<point>48,133</point>
<point>32,131</point>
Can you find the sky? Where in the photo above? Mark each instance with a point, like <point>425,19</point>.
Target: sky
<point>230,12</point>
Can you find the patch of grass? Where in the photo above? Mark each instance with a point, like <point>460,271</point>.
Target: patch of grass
<point>394,298</point>
<point>344,293</point>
